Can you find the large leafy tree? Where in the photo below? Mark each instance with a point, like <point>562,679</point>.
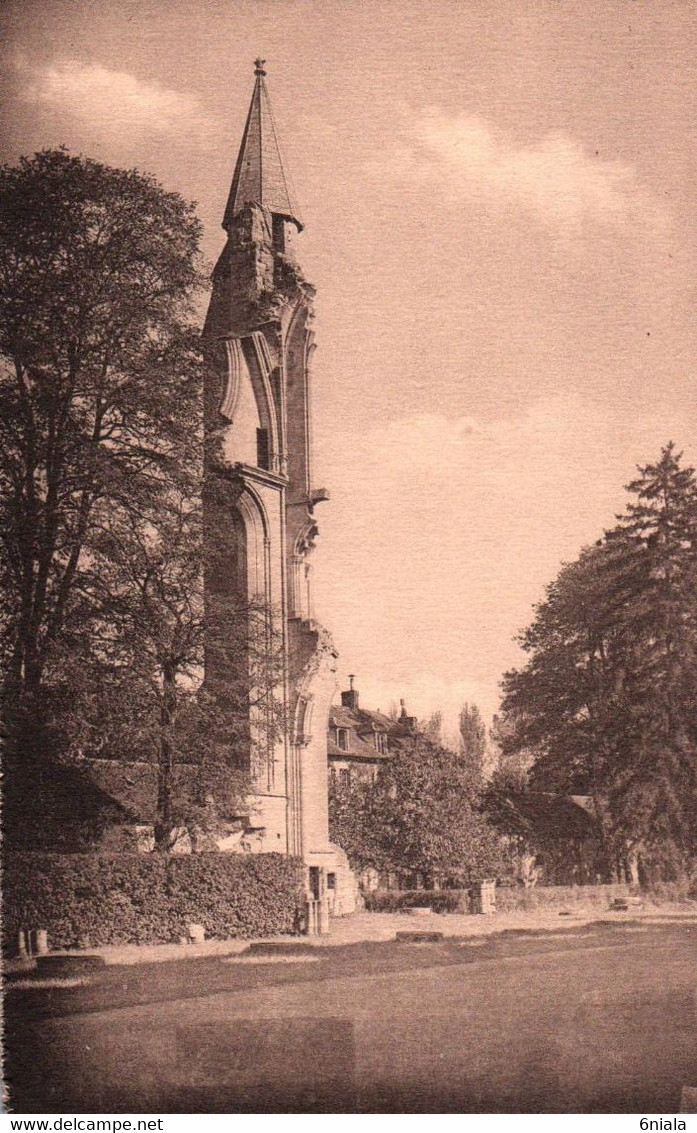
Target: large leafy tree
<point>102,553</point>
<point>135,683</point>
<point>357,814</point>
<point>421,814</point>
<point>99,384</point>
<point>606,701</point>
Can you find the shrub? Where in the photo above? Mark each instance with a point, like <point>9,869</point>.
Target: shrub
<point>682,891</point>
<point>149,898</point>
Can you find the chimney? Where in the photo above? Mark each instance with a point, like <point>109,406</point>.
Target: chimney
<point>406,721</point>
<point>349,698</point>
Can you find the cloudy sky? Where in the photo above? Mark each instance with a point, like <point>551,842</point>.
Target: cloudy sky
<point>500,210</point>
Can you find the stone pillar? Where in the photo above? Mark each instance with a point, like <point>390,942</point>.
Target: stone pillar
<point>312,911</point>
<point>483,897</point>
<point>323,916</point>
<point>39,942</point>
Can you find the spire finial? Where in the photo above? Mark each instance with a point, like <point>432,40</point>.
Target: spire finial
<point>259,66</point>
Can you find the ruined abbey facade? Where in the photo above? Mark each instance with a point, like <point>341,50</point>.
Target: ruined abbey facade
<point>258,342</point>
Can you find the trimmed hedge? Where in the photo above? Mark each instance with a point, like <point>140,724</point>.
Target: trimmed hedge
<point>87,900</point>
<point>397,900</point>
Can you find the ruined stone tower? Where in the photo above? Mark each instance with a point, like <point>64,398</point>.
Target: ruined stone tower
<point>258,342</point>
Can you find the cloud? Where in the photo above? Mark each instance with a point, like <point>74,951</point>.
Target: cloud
<point>553,177</point>
<point>484,490</point>
<point>498,496</point>
<point>442,533</point>
<point>109,99</point>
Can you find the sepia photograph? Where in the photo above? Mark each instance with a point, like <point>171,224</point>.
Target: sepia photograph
<point>348,556</point>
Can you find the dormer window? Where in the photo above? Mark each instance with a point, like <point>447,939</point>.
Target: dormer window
<point>380,742</point>
<point>342,740</point>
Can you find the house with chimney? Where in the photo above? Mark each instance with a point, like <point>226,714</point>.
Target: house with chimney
<point>360,740</point>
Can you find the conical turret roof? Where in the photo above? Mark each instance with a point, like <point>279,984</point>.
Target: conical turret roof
<point>260,174</point>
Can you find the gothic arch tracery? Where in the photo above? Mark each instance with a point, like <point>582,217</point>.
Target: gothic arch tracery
<point>301,602</point>
<point>260,369</point>
<point>233,378</point>
<point>251,509</point>
<point>249,356</point>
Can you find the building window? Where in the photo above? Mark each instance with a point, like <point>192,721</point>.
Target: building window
<point>278,230</point>
<point>331,881</point>
<point>342,738</point>
<point>345,776</point>
<point>263,449</point>
<point>315,882</point>
<point>381,742</point>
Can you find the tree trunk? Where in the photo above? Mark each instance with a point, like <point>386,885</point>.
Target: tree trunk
<point>632,866</point>
<point>164,824</point>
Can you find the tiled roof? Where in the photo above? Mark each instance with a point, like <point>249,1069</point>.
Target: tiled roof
<point>260,174</point>
<point>132,785</point>
<point>561,816</point>
<point>358,749</point>
<point>360,718</point>
<point>378,718</point>
<point>340,717</point>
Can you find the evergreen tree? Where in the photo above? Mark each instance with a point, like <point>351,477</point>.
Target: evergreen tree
<point>606,701</point>
<point>473,739</point>
<point>653,788</point>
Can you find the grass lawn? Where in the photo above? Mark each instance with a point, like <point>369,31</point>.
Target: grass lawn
<point>599,1018</point>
